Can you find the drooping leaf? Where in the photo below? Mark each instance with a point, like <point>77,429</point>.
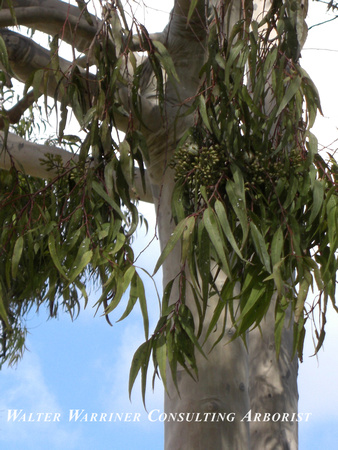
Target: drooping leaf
<point>260,246</point>
<point>17,252</point>
<point>192,8</point>
<point>166,60</point>
<point>173,240</point>
<point>212,227</point>
<point>55,257</point>
<point>289,94</point>
<point>139,363</point>
<point>222,217</point>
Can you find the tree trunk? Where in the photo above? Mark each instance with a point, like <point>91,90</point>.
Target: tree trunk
<point>209,405</point>
<point>273,387</point>
<point>233,382</point>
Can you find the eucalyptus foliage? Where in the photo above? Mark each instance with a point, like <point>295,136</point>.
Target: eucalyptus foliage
<point>56,235</point>
<point>253,198</point>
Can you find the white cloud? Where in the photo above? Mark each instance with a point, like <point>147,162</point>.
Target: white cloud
<point>27,389</point>
<point>318,375</point>
<point>114,393</point>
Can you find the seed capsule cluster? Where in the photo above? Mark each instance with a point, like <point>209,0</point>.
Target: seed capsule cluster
<point>199,165</point>
<point>207,165</point>
<point>263,167</point>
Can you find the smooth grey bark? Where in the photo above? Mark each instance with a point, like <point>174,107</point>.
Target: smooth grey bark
<point>25,57</point>
<point>222,386</point>
<point>53,17</point>
<point>273,386</point>
<point>29,158</point>
<point>232,379</point>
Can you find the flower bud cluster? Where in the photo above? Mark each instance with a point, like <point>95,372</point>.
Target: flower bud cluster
<point>263,167</point>
<point>199,165</point>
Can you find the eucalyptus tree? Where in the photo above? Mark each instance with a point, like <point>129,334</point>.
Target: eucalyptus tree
<point>216,113</point>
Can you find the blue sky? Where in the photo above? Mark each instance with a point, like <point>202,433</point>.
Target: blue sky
<point>85,364</point>
<point>81,365</point>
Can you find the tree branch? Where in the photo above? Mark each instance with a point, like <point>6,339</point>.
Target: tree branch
<point>53,17</point>
<point>15,113</point>
<point>28,157</point>
<point>26,57</point>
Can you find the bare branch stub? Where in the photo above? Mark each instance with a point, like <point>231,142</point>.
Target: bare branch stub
<point>13,115</point>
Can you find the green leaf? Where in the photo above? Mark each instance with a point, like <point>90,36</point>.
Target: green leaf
<point>301,297</point>
<point>166,60</point>
<point>292,191</point>
<point>255,294</point>
<point>318,199</point>
<point>312,146</point>
<point>315,99</point>
<point>172,354</point>
<point>166,298</point>
<point>332,220</point>
<point>277,277</point>
<point>187,238</point>
<point>174,238</point>
<point>37,83</point>
<point>204,113</point>
<point>133,296</point>
<point>298,337</point>
<point>140,362</point>
<point>223,219</point>
<point>80,264</point>
<point>122,285</point>
<point>211,225</point>
<point>190,332</point>
<point>193,4</point>
<point>203,260</point>
<point>161,358</point>
<point>143,305</point>
<point>277,245</point>
<point>83,258</point>
<point>260,246</point>
<point>3,311</point>
<point>102,193</point>
<point>137,292</point>
<point>279,322</point>
<point>17,252</point>
<point>54,256</point>
<point>289,94</point>
<point>227,296</point>
<point>4,55</point>
<point>126,161</point>
<point>236,192</point>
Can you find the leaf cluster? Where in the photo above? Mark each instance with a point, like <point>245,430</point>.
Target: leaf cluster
<point>264,210</point>
<point>56,235</point>
<point>253,199</point>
